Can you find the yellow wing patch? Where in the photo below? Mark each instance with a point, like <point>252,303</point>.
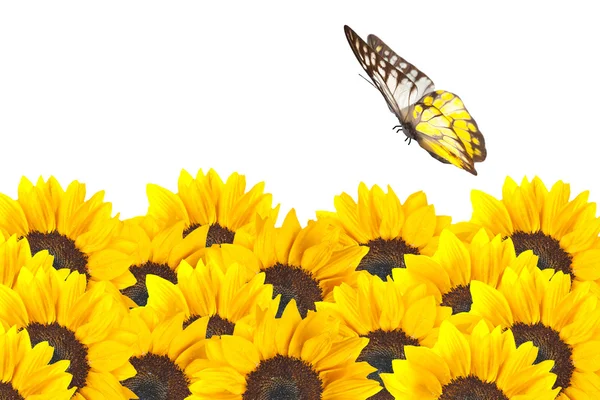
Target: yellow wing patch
<point>444,128</point>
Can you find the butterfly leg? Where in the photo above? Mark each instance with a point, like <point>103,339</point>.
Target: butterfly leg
<point>409,140</point>
<point>398,128</point>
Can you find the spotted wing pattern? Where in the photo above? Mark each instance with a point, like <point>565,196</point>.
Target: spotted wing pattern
<point>397,88</point>
<point>423,84</point>
<point>444,128</point>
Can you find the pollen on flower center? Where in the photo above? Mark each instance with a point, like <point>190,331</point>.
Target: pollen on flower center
<point>66,254</point>
<point>548,249</point>
<point>283,377</point>
<point>217,234</point>
<point>459,299</point>
<point>218,326</point>
<point>139,292</point>
<point>385,255</point>
<point>158,378</point>
<point>294,283</point>
<point>472,388</point>
<point>551,347</point>
<point>8,392</point>
<point>383,347</point>
<point>66,347</point>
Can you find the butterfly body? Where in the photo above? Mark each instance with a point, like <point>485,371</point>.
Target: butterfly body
<point>436,119</point>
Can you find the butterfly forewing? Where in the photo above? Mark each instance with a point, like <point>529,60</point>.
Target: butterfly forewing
<point>422,83</point>
<point>393,84</point>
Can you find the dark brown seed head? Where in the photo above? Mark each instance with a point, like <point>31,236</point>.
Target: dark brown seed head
<point>458,298</point>
<point>139,292</point>
<point>385,255</point>
<point>158,378</point>
<point>294,283</point>
<point>548,249</point>
<point>66,254</point>
<point>471,388</point>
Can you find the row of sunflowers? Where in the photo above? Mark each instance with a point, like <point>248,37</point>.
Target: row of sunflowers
<point>208,297</point>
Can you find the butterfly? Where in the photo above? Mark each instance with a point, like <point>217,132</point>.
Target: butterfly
<point>436,119</point>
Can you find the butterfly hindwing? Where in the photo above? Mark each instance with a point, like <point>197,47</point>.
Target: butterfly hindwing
<point>423,84</point>
<point>444,128</point>
<point>395,86</point>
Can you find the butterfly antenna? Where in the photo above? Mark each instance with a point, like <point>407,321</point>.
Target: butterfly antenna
<point>368,81</point>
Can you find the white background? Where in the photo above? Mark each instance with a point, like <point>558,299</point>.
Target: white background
<point>118,94</point>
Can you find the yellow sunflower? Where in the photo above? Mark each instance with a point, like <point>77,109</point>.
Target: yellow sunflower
<point>484,365</point>
<point>217,210</point>
<point>79,233</point>
<point>562,232</point>
<point>224,299</point>
<point>538,307</point>
<point>28,373</point>
<point>389,228</point>
<point>448,273</point>
<point>389,316</point>
<point>162,354</point>
<point>157,251</point>
<point>84,327</point>
<point>304,264</point>
<point>287,357</point>
<point>16,254</point>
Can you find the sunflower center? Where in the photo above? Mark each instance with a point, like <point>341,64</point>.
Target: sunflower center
<point>139,292</point>
<point>294,283</point>
<point>385,255</point>
<point>459,298</point>
<point>66,347</point>
<point>283,377</point>
<point>218,326</point>
<point>548,249</point>
<point>551,347</point>
<point>471,388</point>
<point>157,378</point>
<point>383,347</point>
<point>66,254</point>
<point>8,392</point>
<point>217,234</point>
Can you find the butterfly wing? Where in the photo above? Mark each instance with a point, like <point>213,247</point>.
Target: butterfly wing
<point>444,128</point>
<point>423,84</point>
<point>397,88</point>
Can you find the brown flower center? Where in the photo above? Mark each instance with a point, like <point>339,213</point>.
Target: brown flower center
<point>385,255</point>
<point>548,249</point>
<point>459,298</point>
<point>471,388</point>
<point>294,283</point>
<point>66,254</point>
<point>551,347</point>
<point>139,292</point>
<point>158,378</point>
<point>283,377</point>
<point>217,234</point>
<point>218,326</point>
<point>383,347</point>
<point>8,392</point>
<point>66,347</point>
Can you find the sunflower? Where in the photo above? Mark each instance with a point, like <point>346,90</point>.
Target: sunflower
<point>79,233</point>
<point>16,254</point>
<point>301,263</point>
<point>28,372</point>
<point>224,299</point>
<point>389,316</point>
<point>162,354</point>
<point>484,365</point>
<point>287,357</point>
<point>449,272</point>
<point>562,232</point>
<point>388,228</point>
<point>158,251</point>
<point>538,307</point>
<point>84,327</point>
<point>217,210</point>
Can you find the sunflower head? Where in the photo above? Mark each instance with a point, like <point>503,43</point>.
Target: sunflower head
<point>561,232</point>
<point>304,264</point>
<point>217,209</point>
<point>286,357</point>
<point>484,365</point>
<point>79,233</point>
<point>389,316</point>
<point>389,229</point>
